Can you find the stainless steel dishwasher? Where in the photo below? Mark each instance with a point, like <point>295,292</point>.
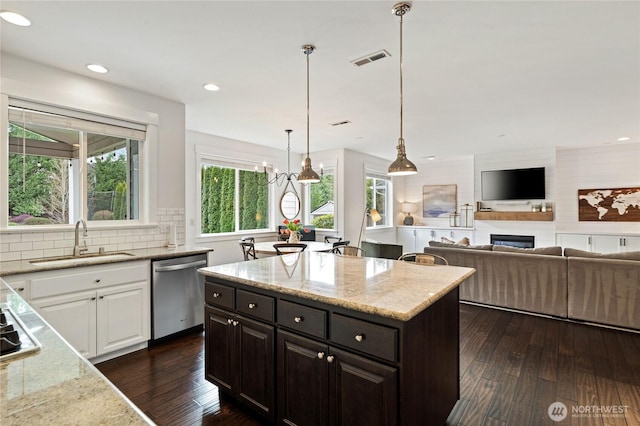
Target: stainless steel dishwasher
<point>177,295</point>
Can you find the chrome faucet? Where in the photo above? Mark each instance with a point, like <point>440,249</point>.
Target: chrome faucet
<point>77,250</point>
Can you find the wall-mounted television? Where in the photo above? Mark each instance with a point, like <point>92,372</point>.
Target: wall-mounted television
<point>514,184</point>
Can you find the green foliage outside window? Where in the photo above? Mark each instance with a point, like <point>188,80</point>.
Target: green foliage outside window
<point>320,194</point>
<point>218,200</point>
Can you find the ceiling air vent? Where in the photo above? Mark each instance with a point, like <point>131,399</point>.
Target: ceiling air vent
<point>340,123</point>
<point>371,58</point>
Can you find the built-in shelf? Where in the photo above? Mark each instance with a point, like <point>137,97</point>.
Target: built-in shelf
<point>541,216</point>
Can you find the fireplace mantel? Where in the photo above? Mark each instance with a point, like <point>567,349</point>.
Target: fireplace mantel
<point>529,216</point>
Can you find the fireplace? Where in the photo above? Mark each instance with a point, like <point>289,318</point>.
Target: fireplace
<point>522,241</point>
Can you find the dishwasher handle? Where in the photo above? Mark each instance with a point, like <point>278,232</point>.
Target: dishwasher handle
<point>179,266</point>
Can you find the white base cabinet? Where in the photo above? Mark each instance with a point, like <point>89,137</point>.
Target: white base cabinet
<point>416,238</point>
<point>97,309</point>
<point>599,243</point>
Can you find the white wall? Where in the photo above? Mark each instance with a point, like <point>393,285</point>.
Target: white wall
<point>40,83</point>
<point>450,171</point>
<point>566,171</point>
<point>601,167</point>
<point>23,79</point>
<point>544,232</point>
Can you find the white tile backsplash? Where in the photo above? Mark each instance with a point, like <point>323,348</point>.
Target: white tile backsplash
<point>31,245</point>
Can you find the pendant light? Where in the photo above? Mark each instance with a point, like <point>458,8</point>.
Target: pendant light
<point>401,166</point>
<point>308,175</point>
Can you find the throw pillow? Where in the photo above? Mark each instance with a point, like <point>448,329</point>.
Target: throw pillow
<point>553,251</point>
<point>630,255</point>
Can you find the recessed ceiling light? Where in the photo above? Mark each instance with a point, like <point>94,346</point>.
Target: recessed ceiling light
<point>211,87</point>
<point>431,157</point>
<point>97,68</point>
<point>15,18</point>
<point>624,138</point>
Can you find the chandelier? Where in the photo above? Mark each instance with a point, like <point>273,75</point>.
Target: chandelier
<point>278,178</point>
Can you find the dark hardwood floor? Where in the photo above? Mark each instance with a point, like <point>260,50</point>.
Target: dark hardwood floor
<point>512,367</point>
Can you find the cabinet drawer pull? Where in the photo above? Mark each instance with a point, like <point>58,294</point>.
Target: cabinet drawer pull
<point>330,359</point>
<point>101,297</point>
<point>216,295</point>
<point>298,319</point>
<point>320,355</point>
<point>235,323</point>
<point>20,289</point>
<point>253,305</point>
<point>93,298</point>
<point>229,321</point>
<point>359,337</point>
<point>98,280</point>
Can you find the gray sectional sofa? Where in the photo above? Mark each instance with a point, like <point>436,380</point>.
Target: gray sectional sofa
<point>584,286</point>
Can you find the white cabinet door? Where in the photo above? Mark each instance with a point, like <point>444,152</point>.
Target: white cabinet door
<point>19,284</point>
<point>576,241</point>
<point>122,316</point>
<point>615,243</point>
<point>631,243</point>
<point>423,236</point>
<point>407,238</point>
<point>606,243</point>
<point>74,317</point>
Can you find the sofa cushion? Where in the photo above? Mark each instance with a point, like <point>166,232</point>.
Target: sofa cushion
<point>554,251</point>
<point>449,245</point>
<point>630,255</point>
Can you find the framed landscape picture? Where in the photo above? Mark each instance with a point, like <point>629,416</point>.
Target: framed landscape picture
<point>439,200</point>
<point>609,205</point>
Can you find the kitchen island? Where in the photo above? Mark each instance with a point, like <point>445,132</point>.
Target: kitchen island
<point>316,338</point>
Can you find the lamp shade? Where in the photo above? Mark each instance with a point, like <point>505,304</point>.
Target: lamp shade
<point>375,216</point>
<point>408,207</point>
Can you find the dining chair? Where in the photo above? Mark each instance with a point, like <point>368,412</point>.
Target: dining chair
<point>338,246</point>
<point>353,251</point>
<point>284,248</point>
<point>331,239</point>
<point>249,239</point>
<point>424,259</point>
<point>248,249</point>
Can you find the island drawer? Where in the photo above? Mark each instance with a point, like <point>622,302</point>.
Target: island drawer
<point>255,305</point>
<point>219,295</point>
<point>302,318</point>
<point>373,339</point>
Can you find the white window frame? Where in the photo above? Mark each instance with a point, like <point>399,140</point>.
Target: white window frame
<point>235,163</point>
<point>99,122</point>
<point>374,174</point>
<point>307,199</point>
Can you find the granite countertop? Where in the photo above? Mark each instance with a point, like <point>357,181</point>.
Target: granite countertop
<point>15,267</point>
<point>56,385</point>
<point>387,288</point>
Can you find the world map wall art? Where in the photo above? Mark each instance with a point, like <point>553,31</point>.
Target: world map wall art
<point>609,205</point>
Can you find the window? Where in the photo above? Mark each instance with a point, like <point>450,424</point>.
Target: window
<point>48,186</point>
<point>231,199</point>
<point>322,203</point>
<point>378,194</point>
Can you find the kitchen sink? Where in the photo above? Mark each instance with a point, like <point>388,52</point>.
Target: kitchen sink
<point>85,258</point>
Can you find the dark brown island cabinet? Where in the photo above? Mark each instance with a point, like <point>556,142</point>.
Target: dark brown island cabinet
<point>298,360</point>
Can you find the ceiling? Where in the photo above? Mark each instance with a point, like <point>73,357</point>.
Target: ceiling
<point>479,76</point>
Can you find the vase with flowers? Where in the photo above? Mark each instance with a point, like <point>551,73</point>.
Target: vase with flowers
<point>293,229</point>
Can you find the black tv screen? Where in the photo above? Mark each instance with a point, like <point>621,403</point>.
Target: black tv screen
<point>514,184</point>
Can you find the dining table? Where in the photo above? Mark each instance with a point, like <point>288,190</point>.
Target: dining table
<point>266,247</point>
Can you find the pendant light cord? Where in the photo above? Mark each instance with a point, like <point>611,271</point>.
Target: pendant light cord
<point>308,53</point>
<point>401,91</point>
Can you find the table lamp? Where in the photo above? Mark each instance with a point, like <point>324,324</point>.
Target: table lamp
<point>408,208</point>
